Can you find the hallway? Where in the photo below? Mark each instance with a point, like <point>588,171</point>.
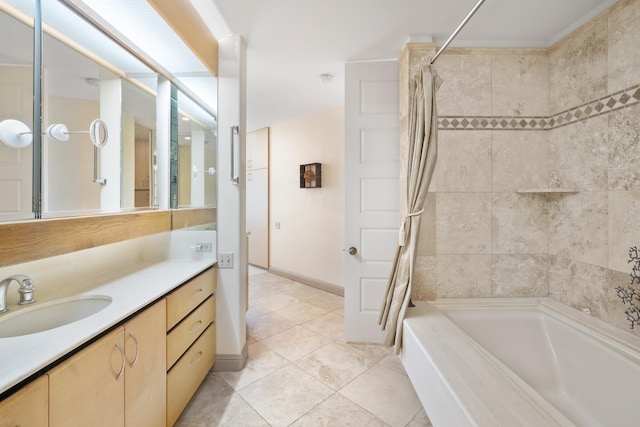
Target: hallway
<point>300,372</point>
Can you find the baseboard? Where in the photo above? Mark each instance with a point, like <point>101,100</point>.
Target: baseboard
<point>231,362</point>
<point>318,284</point>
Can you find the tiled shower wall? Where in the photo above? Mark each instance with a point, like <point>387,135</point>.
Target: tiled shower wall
<point>512,120</point>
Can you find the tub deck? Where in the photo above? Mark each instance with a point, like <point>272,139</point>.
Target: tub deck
<point>492,362</point>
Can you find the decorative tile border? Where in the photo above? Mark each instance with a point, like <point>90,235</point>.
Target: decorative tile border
<point>604,105</point>
<point>493,123</point>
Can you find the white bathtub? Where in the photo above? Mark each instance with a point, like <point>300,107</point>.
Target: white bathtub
<point>520,362</point>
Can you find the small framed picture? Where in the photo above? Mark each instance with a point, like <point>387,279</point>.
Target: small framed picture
<point>311,175</point>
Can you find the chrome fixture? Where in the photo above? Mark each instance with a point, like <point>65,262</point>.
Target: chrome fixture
<point>456,31</point>
<point>235,130</point>
<point>26,290</point>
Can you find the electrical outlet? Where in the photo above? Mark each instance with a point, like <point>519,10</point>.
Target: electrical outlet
<point>205,247</point>
<point>277,225</point>
<point>225,260</point>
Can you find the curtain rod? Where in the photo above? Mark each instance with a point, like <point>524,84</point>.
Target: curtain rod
<point>455,33</point>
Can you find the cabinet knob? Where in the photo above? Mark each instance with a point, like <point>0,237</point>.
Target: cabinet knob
<point>352,251</point>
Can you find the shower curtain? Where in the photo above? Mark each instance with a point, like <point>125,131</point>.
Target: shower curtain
<point>423,143</point>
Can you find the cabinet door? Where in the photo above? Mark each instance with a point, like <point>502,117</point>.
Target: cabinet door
<point>145,382</point>
<point>88,388</point>
<point>28,407</point>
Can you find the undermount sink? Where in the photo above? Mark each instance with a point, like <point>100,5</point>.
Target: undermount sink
<point>50,315</point>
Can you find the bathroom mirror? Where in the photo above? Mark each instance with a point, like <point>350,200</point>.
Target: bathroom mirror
<point>16,103</point>
<point>196,143</point>
<point>71,96</point>
<point>77,176</point>
<point>86,79</point>
<point>86,76</point>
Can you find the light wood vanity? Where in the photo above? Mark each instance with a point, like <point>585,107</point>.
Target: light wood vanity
<point>167,347</point>
<point>142,372</point>
<point>191,340</point>
<point>116,381</point>
<point>27,407</point>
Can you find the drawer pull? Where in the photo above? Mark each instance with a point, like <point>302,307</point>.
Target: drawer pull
<point>196,326</point>
<point>196,293</point>
<point>119,347</point>
<point>197,358</point>
<point>135,340</point>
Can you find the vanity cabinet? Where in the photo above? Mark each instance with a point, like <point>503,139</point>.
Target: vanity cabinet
<point>117,381</point>
<point>180,338</point>
<point>145,374</point>
<point>183,300</point>
<point>191,340</point>
<point>88,388</point>
<point>28,407</point>
<point>142,373</point>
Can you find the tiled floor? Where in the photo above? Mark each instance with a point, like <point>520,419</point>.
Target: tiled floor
<point>301,372</point>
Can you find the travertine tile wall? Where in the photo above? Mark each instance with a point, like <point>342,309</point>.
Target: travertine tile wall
<point>591,231</point>
<point>511,119</point>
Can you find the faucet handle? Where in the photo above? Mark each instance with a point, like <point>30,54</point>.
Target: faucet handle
<point>27,288</point>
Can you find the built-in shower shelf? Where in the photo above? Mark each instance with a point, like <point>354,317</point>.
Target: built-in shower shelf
<point>547,190</point>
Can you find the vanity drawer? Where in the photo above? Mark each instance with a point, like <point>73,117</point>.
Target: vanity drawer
<point>186,375</point>
<point>184,299</point>
<point>187,331</point>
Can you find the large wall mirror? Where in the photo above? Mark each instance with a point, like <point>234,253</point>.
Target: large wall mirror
<point>98,151</point>
<point>77,175</point>
<point>85,76</point>
<point>16,103</point>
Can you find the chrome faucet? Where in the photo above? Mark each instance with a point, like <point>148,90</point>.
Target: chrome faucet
<point>26,290</point>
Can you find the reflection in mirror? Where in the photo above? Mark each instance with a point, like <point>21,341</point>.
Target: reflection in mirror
<point>83,81</point>
<point>71,96</point>
<point>138,146</point>
<point>16,103</point>
<point>197,162</point>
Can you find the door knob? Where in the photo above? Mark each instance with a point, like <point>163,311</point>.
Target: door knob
<point>352,251</point>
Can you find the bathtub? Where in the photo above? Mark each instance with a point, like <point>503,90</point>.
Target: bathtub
<point>520,362</point>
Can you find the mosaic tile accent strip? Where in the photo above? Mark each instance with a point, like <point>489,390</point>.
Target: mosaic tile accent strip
<point>604,105</point>
<point>493,123</point>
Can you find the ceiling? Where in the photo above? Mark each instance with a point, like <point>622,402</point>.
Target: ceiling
<point>290,43</point>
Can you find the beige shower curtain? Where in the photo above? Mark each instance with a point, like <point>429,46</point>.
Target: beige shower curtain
<point>423,143</point>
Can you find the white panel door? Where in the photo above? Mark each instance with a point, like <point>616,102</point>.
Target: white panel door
<point>16,102</point>
<point>372,198</point>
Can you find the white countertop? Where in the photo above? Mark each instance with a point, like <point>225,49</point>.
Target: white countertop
<point>132,288</point>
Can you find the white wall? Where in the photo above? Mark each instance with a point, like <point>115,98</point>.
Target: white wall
<point>310,241</point>
<point>231,296</point>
